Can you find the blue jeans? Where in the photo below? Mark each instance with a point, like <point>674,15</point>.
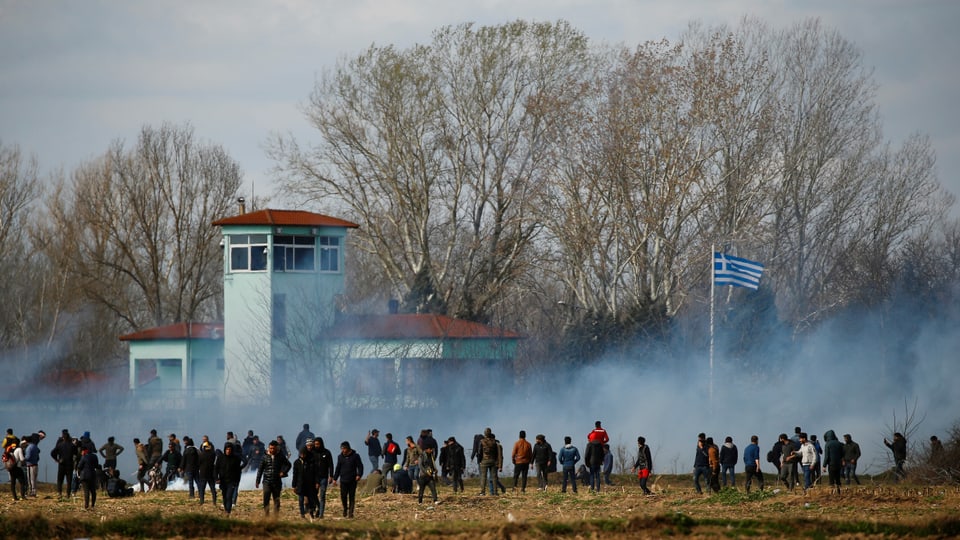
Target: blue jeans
<point>229,493</point>
<point>723,474</point>
<point>697,473</point>
<point>571,474</point>
<point>202,484</point>
<point>191,482</point>
<point>850,471</point>
<point>322,498</point>
<point>595,478</point>
<point>307,499</point>
<point>488,476</point>
<point>807,475</point>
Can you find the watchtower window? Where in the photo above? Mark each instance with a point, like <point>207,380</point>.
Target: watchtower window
<point>248,252</point>
<point>329,253</point>
<point>294,254</point>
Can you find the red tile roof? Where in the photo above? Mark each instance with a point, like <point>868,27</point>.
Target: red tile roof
<point>285,217</point>
<point>184,330</point>
<point>415,326</point>
<point>400,326</point>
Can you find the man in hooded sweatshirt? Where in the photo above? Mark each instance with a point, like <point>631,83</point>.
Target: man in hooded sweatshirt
<point>729,455</point>
<point>833,458</point>
<point>349,470</point>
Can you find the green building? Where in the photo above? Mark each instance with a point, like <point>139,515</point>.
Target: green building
<point>285,332</point>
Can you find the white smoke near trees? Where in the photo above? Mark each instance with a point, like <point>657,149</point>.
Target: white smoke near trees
<point>852,375</point>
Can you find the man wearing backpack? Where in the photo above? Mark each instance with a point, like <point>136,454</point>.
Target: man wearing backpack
<point>12,459</point>
<point>488,463</point>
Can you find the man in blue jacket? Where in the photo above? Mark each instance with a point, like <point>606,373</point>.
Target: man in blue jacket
<point>568,456</point>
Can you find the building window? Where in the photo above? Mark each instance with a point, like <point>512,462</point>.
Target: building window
<point>248,252</point>
<point>294,254</point>
<point>329,253</point>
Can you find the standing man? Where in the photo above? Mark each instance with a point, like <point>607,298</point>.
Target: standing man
<point>568,456</point>
<point>542,458</point>
<point>143,462</point>
<point>229,469</point>
<point>13,461</point>
<point>644,464</point>
<point>832,459</point>
<point>349,471</point>
<point>851,454</point>
<point>391,454</point>
<point>303,437</point>
<point>32,461</point>
<point>374,450</point>
<point>64,453</point>
<point>190,464</point>
<point>109,453</point>
<point>594,459</point>
<point>607,464</point>
<point>154,447</point>
<point>701,465</point>
<point>789,457</point>
<point>729,455</point>
<point>899,449</point>
<point>305,483</point>
<point>428,474</point>
<point>324,461</point>
<point>207,471</point>
<point>456,463</point>
<point>751,462</point>
<point>808,460</point>
<point>598,434</point>
<point>411,459</point>
<point>87,473</point>
<point>488,463</point>
<point>522,456</point>
<point>273,468</point>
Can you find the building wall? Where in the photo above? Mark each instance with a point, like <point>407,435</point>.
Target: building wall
<point>269,315</point>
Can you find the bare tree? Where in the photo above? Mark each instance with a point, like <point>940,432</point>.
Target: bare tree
<point>135,226</point>
<point>829,128</point>
<point>438,150</point>
<point>27,282</point>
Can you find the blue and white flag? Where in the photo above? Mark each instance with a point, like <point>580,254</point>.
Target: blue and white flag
<point>730,270</point>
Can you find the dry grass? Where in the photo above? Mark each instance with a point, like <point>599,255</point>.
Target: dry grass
<point>874,510</point>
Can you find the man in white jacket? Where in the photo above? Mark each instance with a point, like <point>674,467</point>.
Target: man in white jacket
<point>808,460</point>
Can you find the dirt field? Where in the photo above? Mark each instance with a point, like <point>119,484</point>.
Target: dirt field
<point>872,510</point>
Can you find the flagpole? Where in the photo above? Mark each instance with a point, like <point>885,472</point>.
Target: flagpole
<point>712,286</point>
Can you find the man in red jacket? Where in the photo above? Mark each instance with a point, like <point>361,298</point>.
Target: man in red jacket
<point>598,434</point>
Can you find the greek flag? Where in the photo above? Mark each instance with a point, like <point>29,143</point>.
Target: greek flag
<point>730,270</point>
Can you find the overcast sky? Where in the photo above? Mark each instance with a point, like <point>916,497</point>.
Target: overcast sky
<point>76,75</point>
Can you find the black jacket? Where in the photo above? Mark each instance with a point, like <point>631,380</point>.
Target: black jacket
<point>207,464</point>
<point>64,453</point>
<point>594,455</point>
<point>349,468</point>
<point>230,468</point>
<point>305,477</point>
<point>272,469</point>
<point>455,458</point>
<point>191,460</point>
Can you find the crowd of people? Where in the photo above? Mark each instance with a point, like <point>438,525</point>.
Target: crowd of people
<point>396,466</point>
